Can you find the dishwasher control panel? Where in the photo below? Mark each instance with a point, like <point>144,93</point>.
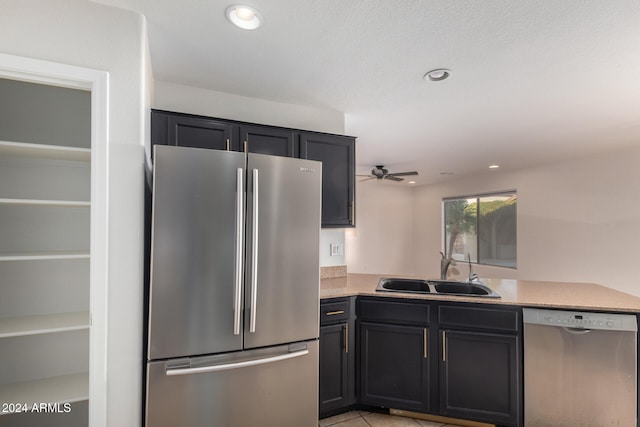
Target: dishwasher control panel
<point>581,319</point>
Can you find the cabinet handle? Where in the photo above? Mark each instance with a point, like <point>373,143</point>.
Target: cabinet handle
<point>425,342</point>
<point>333,313</point>
<point>353,213</point>
<point>227,144</point>
<point>444,346</point>
<point>346,338</point>
<point>245,147</point>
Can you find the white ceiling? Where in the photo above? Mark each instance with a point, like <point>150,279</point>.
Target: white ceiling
<point>533,81</point>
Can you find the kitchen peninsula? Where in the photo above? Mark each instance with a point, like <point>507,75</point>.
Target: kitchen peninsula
<point>451,357</point>
<point>524,293</point>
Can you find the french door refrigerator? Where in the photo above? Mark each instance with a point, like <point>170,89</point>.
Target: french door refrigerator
<point>234,290</point>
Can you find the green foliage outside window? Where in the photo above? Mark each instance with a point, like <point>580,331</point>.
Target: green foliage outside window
<point>483,227</point>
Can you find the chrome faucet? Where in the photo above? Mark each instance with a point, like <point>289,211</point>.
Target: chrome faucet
<point>473,277</point>
<point>444,265</point>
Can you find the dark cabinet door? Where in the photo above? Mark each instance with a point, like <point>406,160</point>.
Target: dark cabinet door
<point>337,154</point>
<point>197,132</point>
<point>268,140</point>
<point>394,366</point>
<point>479,377</point>
<point>334,367</point>
<point>337,356</point>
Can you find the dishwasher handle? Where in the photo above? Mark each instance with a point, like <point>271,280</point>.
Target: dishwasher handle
<point>576,331</point>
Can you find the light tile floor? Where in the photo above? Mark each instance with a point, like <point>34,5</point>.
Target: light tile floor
<point>371,419</point>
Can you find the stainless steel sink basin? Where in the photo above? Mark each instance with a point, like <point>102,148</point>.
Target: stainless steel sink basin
<point>468,289</point>
<point>442,287</point>
<point>404,285</point>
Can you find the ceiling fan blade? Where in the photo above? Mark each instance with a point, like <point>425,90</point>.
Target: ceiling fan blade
<point>393,178</point>
<point>404,173</point>
<point>367,179</point>
<point>369,175</point>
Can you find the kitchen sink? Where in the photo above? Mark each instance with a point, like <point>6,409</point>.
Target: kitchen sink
<point>442,287</point>
<point>472,289</point>
<point>404,285</point>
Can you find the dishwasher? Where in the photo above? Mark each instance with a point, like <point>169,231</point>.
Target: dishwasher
<point>579,369</point>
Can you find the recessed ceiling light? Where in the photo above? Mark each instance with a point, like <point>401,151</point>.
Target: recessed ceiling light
<point>411,182</point>
<point>245,17</point>
<point>437,75</point>
<point>494,166</point>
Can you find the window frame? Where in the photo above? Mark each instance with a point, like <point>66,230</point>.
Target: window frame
<point>477,197</point>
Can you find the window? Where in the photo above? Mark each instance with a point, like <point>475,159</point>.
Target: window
<point>482,227</point>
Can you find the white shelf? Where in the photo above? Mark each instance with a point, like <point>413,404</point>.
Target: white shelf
<point>44,324</point>
<point>54,152</point>
<point>40,202</point>
<point>44,256</point>
<point>65,388</point>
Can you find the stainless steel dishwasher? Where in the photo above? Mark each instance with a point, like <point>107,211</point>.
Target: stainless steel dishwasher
<point>579,369</point>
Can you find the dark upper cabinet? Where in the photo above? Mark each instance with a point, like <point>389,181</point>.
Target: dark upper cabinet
<point>269,140</point>
<point>337,154</point>
<point>192,131</point>
<point>337,350</point>
<point>480,364</point>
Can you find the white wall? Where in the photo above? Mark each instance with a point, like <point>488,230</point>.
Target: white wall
<point>82,33</point>
<point>382,241</point>
<point>192,100</point>
<point>328,237</point>
<point>578,220</point>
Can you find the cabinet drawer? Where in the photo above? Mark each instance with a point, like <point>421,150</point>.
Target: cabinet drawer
<point>334,311</point>
<point>479,317</point>
<point>383,310</point>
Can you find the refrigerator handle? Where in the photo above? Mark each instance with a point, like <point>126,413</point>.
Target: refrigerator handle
<point>239,267</point>
<point>254,255</point>
<point>235,365</point>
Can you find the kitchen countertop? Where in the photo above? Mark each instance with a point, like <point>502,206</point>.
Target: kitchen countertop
<point>525,293</point>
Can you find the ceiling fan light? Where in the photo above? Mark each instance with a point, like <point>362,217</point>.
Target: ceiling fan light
<point>245,17</point>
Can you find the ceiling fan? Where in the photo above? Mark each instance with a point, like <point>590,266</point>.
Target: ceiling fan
<point>379,172</point>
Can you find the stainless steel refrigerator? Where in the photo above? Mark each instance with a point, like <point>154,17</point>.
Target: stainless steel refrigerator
<point>233,298</point>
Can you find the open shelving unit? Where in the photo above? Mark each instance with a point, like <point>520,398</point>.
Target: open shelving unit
<point>45,200</point>
<point>54,145</point>
<point>64,388</point>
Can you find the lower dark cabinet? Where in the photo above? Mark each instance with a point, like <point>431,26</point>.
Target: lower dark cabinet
<point>337,350</point>
<point>457,360</point>
<point>479,377</point>
<point>394,366</point>
<point>334,372</point>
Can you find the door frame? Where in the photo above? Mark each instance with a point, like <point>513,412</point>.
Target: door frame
<point>96,82</point>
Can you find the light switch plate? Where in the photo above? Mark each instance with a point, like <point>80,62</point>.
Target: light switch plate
<point>336,249</point>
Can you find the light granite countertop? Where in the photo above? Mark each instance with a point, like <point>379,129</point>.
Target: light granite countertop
<point>525,293</point>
